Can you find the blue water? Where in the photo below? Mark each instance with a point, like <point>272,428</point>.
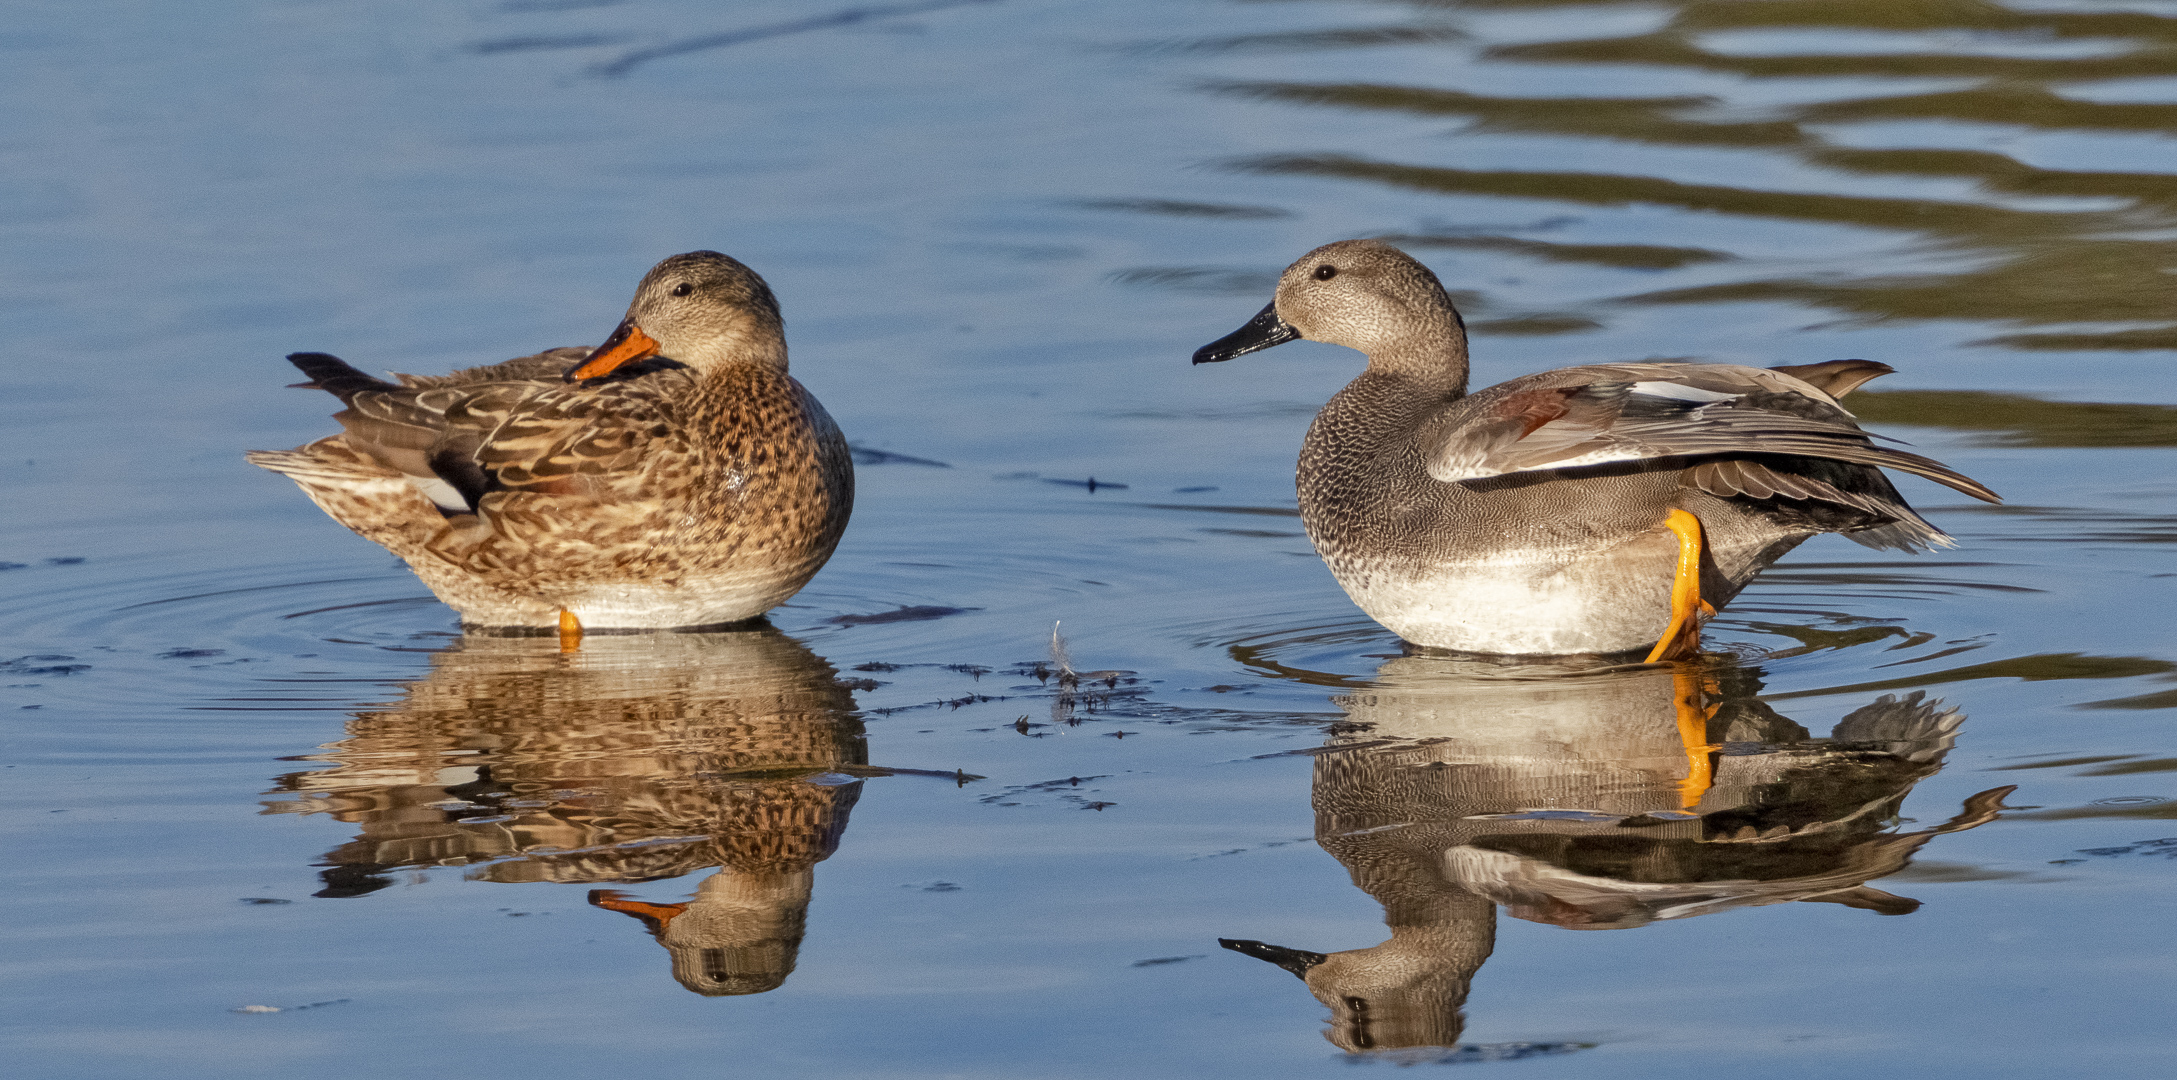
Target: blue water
<point>998,230</point>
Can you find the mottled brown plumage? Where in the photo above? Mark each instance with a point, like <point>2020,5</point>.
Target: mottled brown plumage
<point>627,762</point>
<point>1527,517</point>
<point>687,481</point>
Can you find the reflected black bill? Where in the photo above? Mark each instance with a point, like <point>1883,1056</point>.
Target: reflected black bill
<point>1297,961</point>
<point>1261,332</point>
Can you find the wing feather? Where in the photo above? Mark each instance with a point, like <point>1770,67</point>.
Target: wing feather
<point>1651,412</point>
<point>516,426</point>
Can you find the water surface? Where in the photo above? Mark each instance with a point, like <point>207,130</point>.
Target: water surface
<point>1926,829</point>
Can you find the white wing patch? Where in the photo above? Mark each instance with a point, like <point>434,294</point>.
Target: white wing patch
<point>1680,392</point>
<point>1593,457</point>
<point>439,491</point>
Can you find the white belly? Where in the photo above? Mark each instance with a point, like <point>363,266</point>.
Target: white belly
<point>1538,605</point>
<point>702,602</point>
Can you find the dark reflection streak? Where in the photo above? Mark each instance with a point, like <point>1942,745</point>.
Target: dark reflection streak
<point>1671,50</point>
<point>2018,420</point>
<point>365,604</point>
<point>1633,119</point>
<point>2052,266</point>
<point>1608,189</point>
<point>2159,810</point>
<point>1177,208</point>
<point>1262,511</point>
<point>2166,699</point>
<point>1308,40</point>
<point>2003,103</point>
<point>241,708</point>
<point>1890,15</point>
<point>542,44</point>
<point>1205,279</point>
<point>1999,172</point>
<point>251,589</point>
<point>2164,337</point>
<point>1622,256</point>
<point>629,61</point>
<point>2041,668</point>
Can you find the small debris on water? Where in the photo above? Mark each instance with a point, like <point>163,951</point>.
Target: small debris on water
<point>1092,484</point>
<point>1159,961</point>
<point>867,455</point>
<point>909,613</point>
<point>2165,847</point>
<point>258,1009</point>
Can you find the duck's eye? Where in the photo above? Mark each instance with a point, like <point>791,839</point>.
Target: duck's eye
<point>1325,272</point>
<point>683,289</point>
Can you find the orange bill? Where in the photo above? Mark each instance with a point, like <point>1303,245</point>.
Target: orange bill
<point>654,916</point>
<point>627,343</point>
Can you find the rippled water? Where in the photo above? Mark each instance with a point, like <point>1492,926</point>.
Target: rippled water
<point>268,812</point>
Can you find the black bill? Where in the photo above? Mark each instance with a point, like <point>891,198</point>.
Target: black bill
<point>1261,332</point>
<point>1297,961</point>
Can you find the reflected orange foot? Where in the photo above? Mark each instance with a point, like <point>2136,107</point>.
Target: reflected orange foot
<point>1682,638</point>
<point>1690,695</point>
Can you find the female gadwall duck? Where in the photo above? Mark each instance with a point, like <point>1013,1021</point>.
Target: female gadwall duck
<point>1595,509</point>
<point>674,476</point>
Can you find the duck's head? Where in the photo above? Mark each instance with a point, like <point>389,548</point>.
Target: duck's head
<point>703,309</point>
<point>1363,294</point>
<point>1407,991</point>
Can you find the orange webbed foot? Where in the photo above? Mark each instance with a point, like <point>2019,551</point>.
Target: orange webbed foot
<point>1682,638</point>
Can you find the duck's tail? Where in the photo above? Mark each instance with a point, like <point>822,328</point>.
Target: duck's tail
<point>335,376</point>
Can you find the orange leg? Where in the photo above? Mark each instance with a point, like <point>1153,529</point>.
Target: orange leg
<point>1683,637</point>
<point>1690,696</point>
<point>570,631</point>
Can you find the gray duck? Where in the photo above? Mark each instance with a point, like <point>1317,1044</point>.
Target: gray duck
<point>1594,509</point>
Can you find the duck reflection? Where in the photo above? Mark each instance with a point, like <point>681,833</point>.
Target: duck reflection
<point>1591,800</point>
<point>634,759</point>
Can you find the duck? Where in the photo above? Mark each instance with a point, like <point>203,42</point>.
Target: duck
<point>1598,509</point>
<point>674,477</point>
<point>635,759</point>
<point>1455,786</point>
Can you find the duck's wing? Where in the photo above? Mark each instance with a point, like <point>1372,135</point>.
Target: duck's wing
<point>605,439</point>
<point>549,364</point>
<point>1613,413</point>
<point>513,427</point>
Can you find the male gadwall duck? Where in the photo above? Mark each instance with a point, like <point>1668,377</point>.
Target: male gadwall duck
<point>1453,789</point>
<point>1595,509</point>
<point>674,476</point>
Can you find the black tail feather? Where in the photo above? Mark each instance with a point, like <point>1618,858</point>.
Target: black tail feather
<point>335,376</point>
